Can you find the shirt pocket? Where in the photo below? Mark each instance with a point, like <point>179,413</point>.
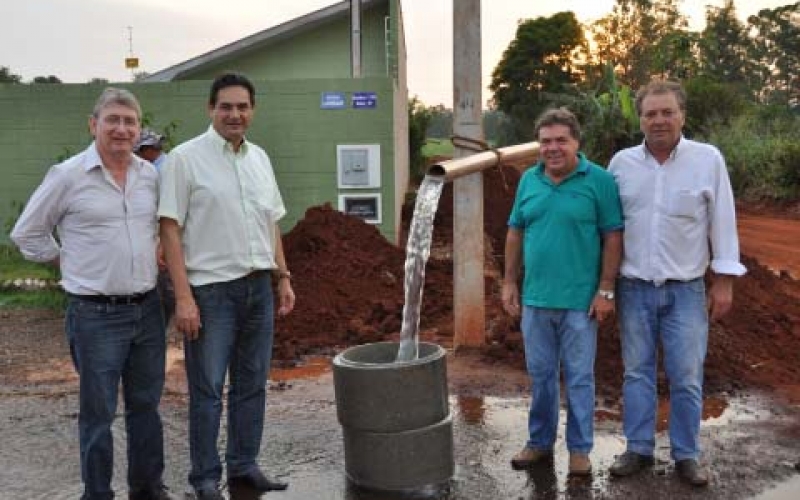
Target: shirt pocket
<point>685,203</point>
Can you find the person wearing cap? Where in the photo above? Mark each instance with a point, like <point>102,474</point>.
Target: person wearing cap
<point>150,146</point>
<point>219,212</point>
<point>103,204</point>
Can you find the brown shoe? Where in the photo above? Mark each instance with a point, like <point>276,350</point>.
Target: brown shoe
<point>691,472</point>
<point>579,464</point>
<point>526,458</point>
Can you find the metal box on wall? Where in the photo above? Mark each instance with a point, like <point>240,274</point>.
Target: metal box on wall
<point>358,166</point>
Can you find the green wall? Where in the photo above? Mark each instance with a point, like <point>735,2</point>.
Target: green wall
<point>323,51</point>
<point>39,123</point>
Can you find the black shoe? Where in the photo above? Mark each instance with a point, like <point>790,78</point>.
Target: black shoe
<point>209,494</point>
<point>691,472</point>
<point>160,492</point>
<point>630,463</point>
<point>257,481</point>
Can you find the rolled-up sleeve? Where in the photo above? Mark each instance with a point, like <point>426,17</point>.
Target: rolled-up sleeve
<point>722,231</point>
<point>33,232</point>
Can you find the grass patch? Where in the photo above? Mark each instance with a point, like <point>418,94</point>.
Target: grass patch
<point>14,266</point>
<point>437,147</point>
<point>40,299</point>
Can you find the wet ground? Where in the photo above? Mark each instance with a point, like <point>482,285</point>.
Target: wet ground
<point>751,440</point>
<point>752,446</point>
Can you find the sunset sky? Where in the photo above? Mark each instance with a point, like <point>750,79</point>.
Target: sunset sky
<point>77,40</point>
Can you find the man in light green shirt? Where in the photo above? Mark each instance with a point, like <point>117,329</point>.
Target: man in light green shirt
<point>218,210</point>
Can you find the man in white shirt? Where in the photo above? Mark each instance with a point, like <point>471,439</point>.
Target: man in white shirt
<point>103,204</point>
<point>219,209</point>
<point>677,203</point>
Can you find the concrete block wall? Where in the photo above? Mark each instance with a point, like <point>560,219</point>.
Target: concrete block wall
<point>39,123</point>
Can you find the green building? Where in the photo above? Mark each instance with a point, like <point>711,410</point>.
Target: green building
<point>330,112</point>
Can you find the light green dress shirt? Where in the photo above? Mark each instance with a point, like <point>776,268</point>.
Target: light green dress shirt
<point>226,203</point>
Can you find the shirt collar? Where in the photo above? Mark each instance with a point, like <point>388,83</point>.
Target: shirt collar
<point>220,142</point>
<point>92,159</point>
<point>678,147</point>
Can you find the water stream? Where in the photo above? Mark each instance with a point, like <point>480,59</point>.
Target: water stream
<point>418,249</point>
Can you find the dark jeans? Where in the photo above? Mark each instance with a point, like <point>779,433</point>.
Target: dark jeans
<point>235,337</point>
<point>167,294</point>
<point>108,343</point>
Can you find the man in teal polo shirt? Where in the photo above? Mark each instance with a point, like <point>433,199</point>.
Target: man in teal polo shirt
<point>565,229</point>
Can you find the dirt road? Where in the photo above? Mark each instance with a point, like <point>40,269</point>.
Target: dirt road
<point>775,242</point>
<point>751,441</point>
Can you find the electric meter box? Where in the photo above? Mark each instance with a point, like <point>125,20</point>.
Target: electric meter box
<point>358,166</point>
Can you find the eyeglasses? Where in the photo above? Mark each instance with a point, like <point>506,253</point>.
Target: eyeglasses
<point>116,120</point>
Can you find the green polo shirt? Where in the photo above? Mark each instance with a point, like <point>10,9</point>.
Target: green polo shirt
<point>563,227</point>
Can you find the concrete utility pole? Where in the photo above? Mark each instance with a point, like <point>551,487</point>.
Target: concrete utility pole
<point>468,254</point>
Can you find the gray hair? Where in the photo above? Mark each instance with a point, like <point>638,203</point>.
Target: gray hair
<point>113,95</point>
<point>660,87</point>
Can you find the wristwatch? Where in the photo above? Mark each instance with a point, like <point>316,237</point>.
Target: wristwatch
<point>284,275</point>
<point>606,294</point>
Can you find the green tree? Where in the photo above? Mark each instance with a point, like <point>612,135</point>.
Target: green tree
<point>776,41</point>
<point>607,114</point>
<point>418,119</point>
<point>540,59</point>
<point>643,38</point>
<point>6,76</point>
<point>440,125</point>
<point>725,49</point>
<point>46,79</point>
<point>497,128</point>
<point>711,103</point>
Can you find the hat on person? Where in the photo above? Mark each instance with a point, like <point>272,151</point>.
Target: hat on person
<point>148,138</point>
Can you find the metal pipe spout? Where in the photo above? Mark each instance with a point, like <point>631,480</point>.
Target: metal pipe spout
<point>452,169</point>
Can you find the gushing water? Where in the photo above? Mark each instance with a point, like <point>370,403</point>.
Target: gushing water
<point>418,249</point>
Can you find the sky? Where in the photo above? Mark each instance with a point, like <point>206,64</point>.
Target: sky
<point>77,40</point>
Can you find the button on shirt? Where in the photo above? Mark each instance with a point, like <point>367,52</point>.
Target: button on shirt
<point>674,211</point>
<point>108,237</point>
<point>227,204</point>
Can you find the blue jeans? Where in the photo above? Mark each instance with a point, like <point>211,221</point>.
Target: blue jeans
<point>235,337</point>
<point>109,343</point>
<point>674,313</point>
<point>554,337</point>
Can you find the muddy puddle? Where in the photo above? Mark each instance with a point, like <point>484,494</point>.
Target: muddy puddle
<point>751,442</point>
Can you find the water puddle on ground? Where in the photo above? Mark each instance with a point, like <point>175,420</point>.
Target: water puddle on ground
<point>494,429</point>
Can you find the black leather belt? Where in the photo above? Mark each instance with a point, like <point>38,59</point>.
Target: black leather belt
<point>136,298</point>
<point>258,273</point>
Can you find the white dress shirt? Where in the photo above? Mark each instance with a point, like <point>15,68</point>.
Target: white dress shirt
<point>227,203</point>
<point>108,237</point>
<point>676,212</point>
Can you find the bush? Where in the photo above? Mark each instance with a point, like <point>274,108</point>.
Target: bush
<point>418,119</point>
<point>762,153</point>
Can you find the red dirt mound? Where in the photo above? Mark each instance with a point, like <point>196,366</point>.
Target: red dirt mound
<point>349,285</point>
